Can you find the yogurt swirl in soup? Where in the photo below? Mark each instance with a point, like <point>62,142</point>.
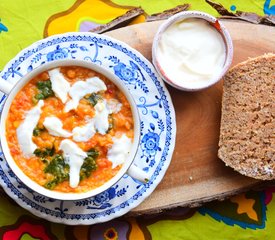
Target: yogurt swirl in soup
<point>64,126</point>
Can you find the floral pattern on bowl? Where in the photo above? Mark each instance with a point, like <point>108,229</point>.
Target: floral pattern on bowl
<point>158,127</point>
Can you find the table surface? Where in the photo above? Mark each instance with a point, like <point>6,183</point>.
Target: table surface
<point>249,215</point>
<point>195,174</point>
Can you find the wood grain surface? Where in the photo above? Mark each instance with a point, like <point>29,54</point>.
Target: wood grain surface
<point>196,175</point>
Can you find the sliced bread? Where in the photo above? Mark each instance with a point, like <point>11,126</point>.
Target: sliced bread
<point>247,132</point>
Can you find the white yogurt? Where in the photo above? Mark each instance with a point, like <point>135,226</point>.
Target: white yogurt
<point>191,52</point>
<point>74,156</point>
<point>81,88</point>
<point>101,117</point>
<point>85,132</point>
<point>25,131</point>
<point>120,150</point>
<point>55,127</point>
<point>60,85</point>
<point>114,105</point>
<point>100,122</point>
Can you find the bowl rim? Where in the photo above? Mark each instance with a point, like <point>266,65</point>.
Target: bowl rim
<point>32,184</point>
<point>201,15</point>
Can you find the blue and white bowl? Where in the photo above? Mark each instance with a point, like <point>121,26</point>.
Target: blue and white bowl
<point>127,166</point>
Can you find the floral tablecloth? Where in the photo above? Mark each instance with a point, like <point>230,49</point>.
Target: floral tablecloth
<point>245,216</point>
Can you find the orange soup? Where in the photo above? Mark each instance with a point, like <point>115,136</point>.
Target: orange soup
<point>70,129</point>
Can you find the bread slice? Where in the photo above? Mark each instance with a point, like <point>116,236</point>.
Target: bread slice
<point>247,133</point>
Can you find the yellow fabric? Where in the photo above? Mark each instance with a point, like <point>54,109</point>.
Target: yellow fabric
<point>28,21</point>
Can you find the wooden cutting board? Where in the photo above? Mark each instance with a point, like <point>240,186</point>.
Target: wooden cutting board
<point>196,175</point>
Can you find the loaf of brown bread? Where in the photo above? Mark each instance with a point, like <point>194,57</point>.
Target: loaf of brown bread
<point>247,133</point>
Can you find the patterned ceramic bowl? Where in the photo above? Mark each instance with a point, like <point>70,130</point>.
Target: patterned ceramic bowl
<point>127,165</point>
<point>192,50</point>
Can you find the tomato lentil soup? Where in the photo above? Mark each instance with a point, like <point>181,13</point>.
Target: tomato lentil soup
<point>45,165</point>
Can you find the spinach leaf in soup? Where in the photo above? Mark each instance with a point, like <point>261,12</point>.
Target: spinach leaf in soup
<point>111,122</point>
<point>89,165</point>
<point>45,90</point>
<point>42,153</point>
<point>37,131</point>
<point>93,98</point>
<point>59,169</point>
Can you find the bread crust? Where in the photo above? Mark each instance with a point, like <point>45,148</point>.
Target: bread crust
<point>247,132</point>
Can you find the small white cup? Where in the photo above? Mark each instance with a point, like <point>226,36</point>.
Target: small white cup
<point>162,68</point>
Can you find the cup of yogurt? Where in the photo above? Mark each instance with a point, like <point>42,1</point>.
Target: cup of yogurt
<point>192,50</point>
